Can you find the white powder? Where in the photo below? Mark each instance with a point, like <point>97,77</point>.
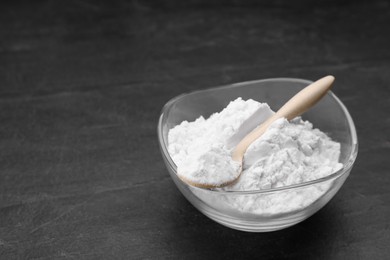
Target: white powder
<point>288,153</point>
<point>210,164</point>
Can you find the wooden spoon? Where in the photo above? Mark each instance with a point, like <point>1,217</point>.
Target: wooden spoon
<point>296,106</point>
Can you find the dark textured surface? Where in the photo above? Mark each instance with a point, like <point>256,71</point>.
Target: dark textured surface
<point>81,88</point>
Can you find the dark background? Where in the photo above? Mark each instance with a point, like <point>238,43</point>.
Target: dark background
<point>82,84</point>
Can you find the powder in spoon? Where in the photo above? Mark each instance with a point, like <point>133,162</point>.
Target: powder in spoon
<point>202,149</point>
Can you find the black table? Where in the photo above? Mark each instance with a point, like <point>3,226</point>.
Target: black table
<point>82,84</point>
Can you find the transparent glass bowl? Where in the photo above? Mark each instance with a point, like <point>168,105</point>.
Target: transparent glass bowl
<point>272,209</point>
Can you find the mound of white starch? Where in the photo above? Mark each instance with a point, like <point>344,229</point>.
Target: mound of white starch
<point>288,153</point>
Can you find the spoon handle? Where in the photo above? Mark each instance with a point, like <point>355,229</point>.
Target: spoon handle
<point>297,105</point>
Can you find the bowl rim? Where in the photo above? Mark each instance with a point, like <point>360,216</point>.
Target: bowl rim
<point>345,169</point>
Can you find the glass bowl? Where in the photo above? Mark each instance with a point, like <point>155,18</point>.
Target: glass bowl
<point>277,208</point>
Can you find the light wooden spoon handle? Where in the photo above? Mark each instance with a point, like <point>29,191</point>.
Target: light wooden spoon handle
<point>297,105</point>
